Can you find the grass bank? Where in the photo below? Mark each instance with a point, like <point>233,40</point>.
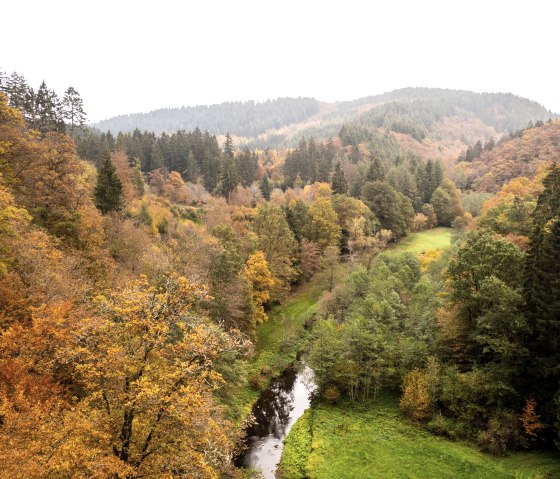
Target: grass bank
<point>371,440</point>
<point>279,340</point>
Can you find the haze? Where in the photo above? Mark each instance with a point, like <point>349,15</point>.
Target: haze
<point>126,57</point>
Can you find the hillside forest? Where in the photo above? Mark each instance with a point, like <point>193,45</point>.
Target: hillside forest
<point>137,266</point>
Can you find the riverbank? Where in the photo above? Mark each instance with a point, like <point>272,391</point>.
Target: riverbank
<point>372,440</point>
<point>279,341</point>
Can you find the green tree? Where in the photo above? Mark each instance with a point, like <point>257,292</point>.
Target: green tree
<point>393,210</point>
<point>277,242</point>
<point>338,182</point>
<point>446,201</point>
<point>542,295</point>
<point>73,109</point>
<point>108,194</point>
<point>266,187</point>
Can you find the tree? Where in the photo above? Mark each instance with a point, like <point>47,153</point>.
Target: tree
<point>48,110</point>
<point>108,194</point>
<point>542,295</point>
<point>338,182</point>
<point>73,109</point>
<point>393,210</point>
<point>447,203</point>
<point>266,187</point>
<point>261,282</point>
<point>150,374</point>
<point>277,242</point>
<point>323,228</point>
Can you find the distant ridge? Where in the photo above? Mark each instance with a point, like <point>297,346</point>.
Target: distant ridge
<point>275,122</point>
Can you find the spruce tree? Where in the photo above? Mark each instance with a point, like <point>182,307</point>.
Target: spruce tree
<point>73,109</point>
<point>338,182</point>
<point>266,188</point>
<point>108,195</point>
<point>542,279</point>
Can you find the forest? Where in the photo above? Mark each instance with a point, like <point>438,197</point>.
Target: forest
<point>150,280</point>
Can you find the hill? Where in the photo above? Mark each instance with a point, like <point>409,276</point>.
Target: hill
<point>419,113</point>
<point>515,155</point>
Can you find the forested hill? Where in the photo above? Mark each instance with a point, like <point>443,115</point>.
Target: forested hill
<point>239,118</point>
<point>417,112</point>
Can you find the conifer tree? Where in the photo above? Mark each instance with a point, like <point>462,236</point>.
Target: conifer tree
<point>108,194</point>
<point>338,182</point>
<point>266,187</point>
<point>73,109</point>
<point>542,280</point>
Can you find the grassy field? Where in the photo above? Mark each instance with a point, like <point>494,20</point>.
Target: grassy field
<point>372,440</point>
<point>417,243</point>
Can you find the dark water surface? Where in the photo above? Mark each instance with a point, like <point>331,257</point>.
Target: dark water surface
<point>276,411</point>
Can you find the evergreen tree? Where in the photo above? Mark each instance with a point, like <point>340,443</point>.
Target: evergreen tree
<point>542,279</point>
<point>108,194</point>
<point>338,182</point>
<point>229,175</point>
<point>73,109</point>
<point>375,172</point>
<point>266,187</point>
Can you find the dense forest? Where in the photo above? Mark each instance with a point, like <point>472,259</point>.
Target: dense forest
<point>137,269</point>
<point>281,122</point>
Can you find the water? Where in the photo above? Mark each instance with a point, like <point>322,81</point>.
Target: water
<point>276,411</point>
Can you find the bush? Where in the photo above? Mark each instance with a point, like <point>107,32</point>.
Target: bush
<point>502,434</point>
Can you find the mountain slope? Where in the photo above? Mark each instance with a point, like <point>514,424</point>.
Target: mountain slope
<point>519,154</point>
<point>418,112</point>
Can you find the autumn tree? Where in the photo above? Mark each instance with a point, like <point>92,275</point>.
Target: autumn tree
<point>261,282</point>
<point>277,242</point>
<point>323,228</point>
<point>149,372</point>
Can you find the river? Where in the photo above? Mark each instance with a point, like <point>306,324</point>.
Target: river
<point>275,412</point>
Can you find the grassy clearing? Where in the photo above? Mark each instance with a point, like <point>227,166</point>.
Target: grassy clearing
<point>372,440</point>
<point>417,243</point>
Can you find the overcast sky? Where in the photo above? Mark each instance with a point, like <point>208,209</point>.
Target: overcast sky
<point>136,56</point>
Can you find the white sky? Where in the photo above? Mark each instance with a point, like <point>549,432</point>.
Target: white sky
<point>136,56</point>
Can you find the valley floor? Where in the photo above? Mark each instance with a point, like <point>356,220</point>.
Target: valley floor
<point>372,440</point>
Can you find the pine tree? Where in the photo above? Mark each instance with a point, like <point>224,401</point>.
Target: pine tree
<point>266,187</point>
<point>108,194</point>
<point>73,109</point>
<point>542,282</point>
<point>229,175</point>
<point>375,171</point>
<point>338,182</point>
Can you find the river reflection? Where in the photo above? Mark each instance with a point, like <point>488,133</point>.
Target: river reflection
<point>276,411</point>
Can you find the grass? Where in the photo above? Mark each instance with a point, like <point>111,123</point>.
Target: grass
<point>417,243</point>
<point>372,440</point>
<point>278,341</point>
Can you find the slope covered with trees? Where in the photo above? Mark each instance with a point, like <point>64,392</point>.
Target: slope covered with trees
<point>276,123</point>
<point>488,167</point>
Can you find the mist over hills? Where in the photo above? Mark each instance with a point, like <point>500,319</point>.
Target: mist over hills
<point>281,122</point>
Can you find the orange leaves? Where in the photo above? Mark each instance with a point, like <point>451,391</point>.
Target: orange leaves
<point>530,420</point>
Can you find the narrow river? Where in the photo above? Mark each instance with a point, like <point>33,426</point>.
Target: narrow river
<point>276,411</point>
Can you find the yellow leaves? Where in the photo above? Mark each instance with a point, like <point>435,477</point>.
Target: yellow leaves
<point>428,257</point>
<point>260,279</point>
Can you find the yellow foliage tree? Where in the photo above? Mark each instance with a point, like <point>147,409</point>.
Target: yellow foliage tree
<point>261,282</point>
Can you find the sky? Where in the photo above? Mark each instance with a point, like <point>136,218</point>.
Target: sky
<point>136,56</point>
